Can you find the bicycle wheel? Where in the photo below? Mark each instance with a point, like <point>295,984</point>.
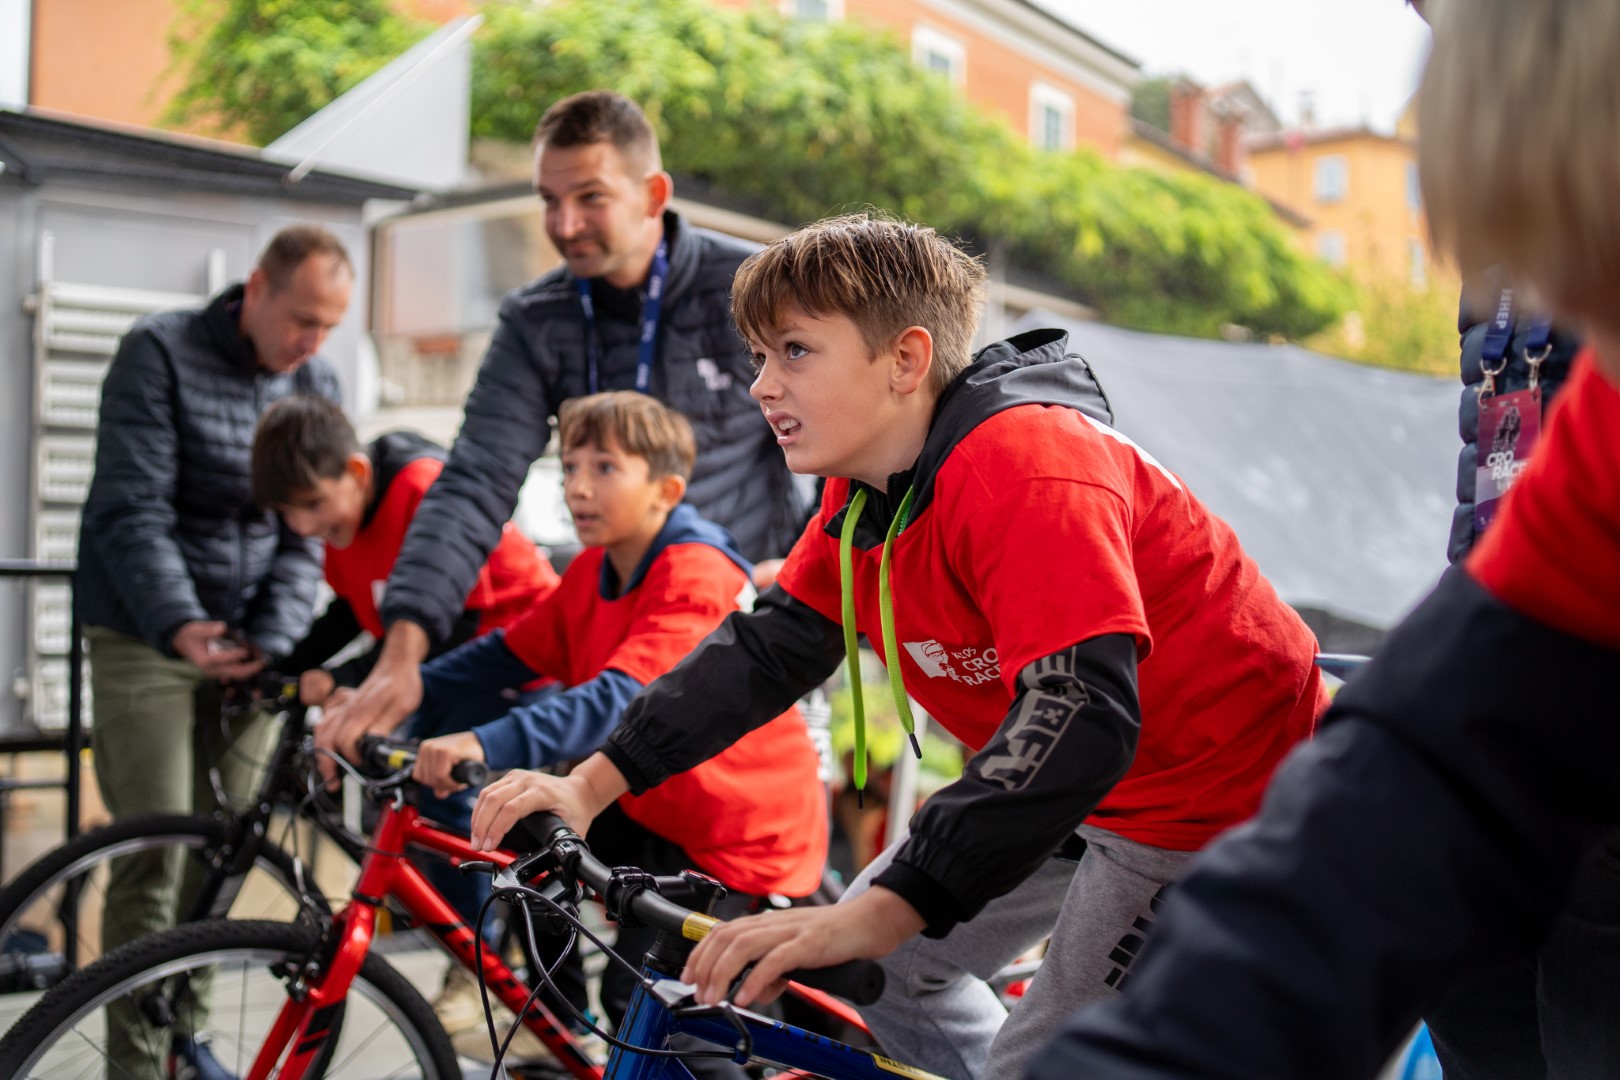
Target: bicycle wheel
<point>386,1029</point>
<point>33,906</point>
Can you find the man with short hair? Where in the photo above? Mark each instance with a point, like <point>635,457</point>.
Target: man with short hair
<point>640,303</point>
<point>183,582</point>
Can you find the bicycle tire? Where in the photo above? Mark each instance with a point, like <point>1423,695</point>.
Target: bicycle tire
<point>44,881</point>
<point>62,1025</point>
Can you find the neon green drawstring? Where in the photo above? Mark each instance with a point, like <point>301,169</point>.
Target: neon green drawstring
<point>891,649</point>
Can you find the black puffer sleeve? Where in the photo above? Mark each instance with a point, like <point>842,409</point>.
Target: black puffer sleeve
<point>130,514</point>
<point>743,675</point>
<point>460,519</point>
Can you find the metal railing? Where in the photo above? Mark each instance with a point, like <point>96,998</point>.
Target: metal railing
<point>69,741</point>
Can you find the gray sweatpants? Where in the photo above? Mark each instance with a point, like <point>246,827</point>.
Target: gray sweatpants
<point>937,1013</point>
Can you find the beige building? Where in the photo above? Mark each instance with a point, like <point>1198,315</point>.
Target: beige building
<point>1359,188</point>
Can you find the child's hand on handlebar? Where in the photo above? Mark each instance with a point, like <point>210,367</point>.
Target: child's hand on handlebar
<point>315,686</point>
<point>520,793</point>
<point>436,757</point>
<point>867,927</point>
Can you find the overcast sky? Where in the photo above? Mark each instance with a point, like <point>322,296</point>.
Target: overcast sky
<point>1358,59</point>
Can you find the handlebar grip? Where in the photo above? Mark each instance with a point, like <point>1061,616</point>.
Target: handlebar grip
<point>471,773</point>
<point>857,981</point>
<point>385,753</point>
<point>543,827</point>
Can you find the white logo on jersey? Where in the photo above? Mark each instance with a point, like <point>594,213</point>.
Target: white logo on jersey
<point>967,665</point>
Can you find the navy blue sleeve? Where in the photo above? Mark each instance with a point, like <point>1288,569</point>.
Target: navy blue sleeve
<point>560,727</point>
<point>479,666</point>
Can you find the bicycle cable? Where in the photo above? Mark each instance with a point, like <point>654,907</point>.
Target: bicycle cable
<point>745,1045</point>
<point>528,1003</point>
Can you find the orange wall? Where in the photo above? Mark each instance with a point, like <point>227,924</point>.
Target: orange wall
<point>107,60</point>
<point>1374,219</point>
<point>998,77</point>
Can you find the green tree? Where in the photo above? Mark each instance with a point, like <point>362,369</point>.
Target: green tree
<point>808,118</point>
<point>261,67</point>
<point>1397,325</point>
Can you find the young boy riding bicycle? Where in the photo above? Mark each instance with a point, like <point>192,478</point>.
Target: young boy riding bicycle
<point>654,579</point>
<point>1051,595</point>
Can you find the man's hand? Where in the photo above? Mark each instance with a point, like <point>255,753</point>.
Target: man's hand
<point>436,757</point>
<point>389,694</point>
<point>209,646</point>
<point>576,798</point>
<point>315,686</point>
<point>870,926</point>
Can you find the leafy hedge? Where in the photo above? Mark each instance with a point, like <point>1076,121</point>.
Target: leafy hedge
<point>259,68</point>
<point>805,119</point>
<point>811,118</point>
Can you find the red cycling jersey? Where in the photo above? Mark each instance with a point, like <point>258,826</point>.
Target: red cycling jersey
<point>1047,529</point>
<point>754,816</point>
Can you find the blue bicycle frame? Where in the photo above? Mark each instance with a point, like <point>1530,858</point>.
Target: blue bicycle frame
<point>650,1022</point>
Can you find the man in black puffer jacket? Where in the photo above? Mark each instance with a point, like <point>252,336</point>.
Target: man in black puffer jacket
<point>642,302</point>
<point>183,581</point>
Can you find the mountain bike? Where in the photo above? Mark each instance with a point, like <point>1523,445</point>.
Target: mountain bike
<point>296,999</point>
<point>550,883</point>
<point>243,860</point>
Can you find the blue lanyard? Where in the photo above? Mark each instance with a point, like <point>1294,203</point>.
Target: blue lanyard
<point>1500,330</point>
<point>649,320</point>
<point>1540,334</point>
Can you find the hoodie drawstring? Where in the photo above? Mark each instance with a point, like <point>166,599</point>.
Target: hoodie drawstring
<point>891,650</point>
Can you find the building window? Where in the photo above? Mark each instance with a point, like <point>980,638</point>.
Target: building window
<point>819,10</point>
<point>1414,189</point>
<point>1332,178</point>
<point>1330,246</point>
<point>1051,118</point>
<point>939,52</point>
<point>1420,267</point>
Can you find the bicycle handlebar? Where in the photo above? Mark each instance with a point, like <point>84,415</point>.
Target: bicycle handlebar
<point>395,755</point>
<point>859,981</point>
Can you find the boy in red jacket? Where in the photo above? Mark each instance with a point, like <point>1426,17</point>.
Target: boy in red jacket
<point>654,580</point>
<point>1049,592</point>
<point>310,468</point>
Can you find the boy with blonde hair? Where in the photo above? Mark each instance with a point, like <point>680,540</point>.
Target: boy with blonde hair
<point>1306,944</point>
<point>1048,591</point>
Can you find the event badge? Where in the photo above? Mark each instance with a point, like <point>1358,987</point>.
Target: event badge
<point>1509,425</point>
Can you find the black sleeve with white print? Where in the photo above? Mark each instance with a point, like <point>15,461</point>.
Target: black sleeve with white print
<point>1068,738</point>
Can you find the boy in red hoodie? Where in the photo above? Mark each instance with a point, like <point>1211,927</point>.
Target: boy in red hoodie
<point>309,467</point>
<point>654,580</point>
<point>1049,592</point>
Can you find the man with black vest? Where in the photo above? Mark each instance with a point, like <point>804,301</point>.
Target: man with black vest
<point>183,582</point>
<point>641,302</point>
